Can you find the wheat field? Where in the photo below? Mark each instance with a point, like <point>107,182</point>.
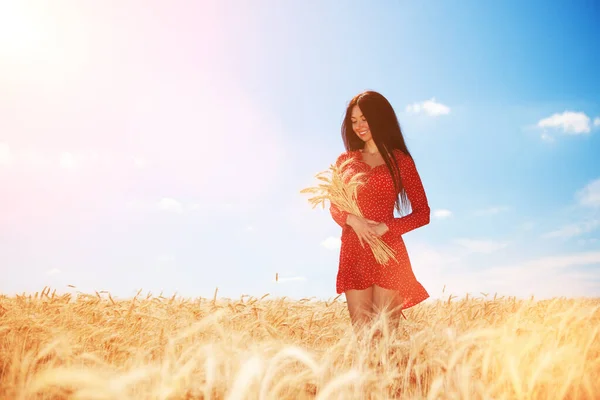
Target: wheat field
<point>92,346</point>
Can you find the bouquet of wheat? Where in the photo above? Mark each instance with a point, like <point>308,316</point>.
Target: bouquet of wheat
<point>342,194</point>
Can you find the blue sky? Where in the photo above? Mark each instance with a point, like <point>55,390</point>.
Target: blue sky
<point>163,147</point>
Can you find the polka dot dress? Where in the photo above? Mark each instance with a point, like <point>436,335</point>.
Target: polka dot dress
<point>358,268</point>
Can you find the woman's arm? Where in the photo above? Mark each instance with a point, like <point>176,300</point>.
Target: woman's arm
<point>415,192</point>
<point>339,216</point>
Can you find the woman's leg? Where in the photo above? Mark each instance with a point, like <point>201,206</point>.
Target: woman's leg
<point>389,301</point>
<point>360,306</point>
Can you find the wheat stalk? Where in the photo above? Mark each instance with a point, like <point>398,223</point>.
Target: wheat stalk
<point>336,188</point>
<point>66,346</point>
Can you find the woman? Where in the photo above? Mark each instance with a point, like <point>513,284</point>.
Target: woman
<point>374,141</point>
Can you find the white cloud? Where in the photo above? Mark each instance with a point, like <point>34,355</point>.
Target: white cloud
<point>170,205</point>
<point>589,196</point>
<point>53,271</point>
<point>572,230</point>
<point>584,242</point>
<point>442,213</point>
<point>543,277</point>
<point>481,245</point>
<point>332,243</point>
<point>445,269</point>
<point>597,121</point>
<point>429,107</point>
<point>5,154</point>
<point>550,263</point>
<point>428,257</point>
<point>438,266</point>
<point>491,211</point>
<point>570,122</point>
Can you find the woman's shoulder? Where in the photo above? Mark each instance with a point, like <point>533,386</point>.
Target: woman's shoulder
<point>345,156</point>
<point>400,155</point>
<point>403,159</point>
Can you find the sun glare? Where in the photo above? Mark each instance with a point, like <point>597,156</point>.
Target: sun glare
<point>5,155</point>
<point>67,160</point>
<point>21,34</point>
<point>42,43</point>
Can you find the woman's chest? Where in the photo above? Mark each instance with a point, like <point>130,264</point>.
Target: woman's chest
<point>375,181</point>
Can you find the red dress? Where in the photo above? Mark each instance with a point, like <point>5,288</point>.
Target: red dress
<point>358,268</point>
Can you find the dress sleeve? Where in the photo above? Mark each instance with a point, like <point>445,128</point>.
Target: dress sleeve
<point>338,215</point>
<point>413,186</point>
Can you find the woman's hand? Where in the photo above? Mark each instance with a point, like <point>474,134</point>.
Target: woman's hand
<point>380,228</point>
<point>365,229</point>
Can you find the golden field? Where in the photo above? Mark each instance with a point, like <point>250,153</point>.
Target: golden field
<point>91,346</point>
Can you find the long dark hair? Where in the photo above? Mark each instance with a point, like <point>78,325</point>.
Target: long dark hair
<point>386,133</point>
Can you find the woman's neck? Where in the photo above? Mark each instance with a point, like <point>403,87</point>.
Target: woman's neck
<point>370,147</point>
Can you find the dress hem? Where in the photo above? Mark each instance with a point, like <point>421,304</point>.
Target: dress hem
<point>413,300</point>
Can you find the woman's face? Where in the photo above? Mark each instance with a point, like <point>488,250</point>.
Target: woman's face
<point>360,124</point>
